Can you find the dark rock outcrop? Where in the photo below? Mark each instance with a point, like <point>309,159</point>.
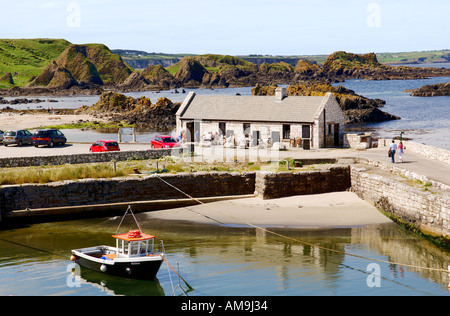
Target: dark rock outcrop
<point>157,76</point>
<point>190,72</point>
<point>139,111</point>
<point>434,90</point>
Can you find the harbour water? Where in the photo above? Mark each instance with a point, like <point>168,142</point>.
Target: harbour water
<point>221,261</point>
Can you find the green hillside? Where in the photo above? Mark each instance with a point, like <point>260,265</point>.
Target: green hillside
<point>25,58</point>
<point>435,56</point>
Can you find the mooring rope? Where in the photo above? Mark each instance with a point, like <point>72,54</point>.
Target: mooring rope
<point>297,240</point>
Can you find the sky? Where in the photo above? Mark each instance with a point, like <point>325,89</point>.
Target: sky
<point>235,27</point>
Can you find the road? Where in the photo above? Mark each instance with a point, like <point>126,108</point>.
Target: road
<point>68,149</point>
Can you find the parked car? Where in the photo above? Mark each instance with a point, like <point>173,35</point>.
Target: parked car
<point>104,145</point>
<point>1,136</point>
<point>18,137</point>
<point>48,137</point>
<point>164,141</point>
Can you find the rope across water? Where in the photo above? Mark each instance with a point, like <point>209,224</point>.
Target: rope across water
<point>297,240</point>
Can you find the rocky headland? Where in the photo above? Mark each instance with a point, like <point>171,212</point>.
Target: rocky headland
<point>92,69</point>
<point>340,66</point>
<point>434,90</point>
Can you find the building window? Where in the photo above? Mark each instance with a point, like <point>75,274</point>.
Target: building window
<point>286,131</point>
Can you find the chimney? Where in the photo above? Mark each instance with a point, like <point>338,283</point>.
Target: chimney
<point>280,93</point>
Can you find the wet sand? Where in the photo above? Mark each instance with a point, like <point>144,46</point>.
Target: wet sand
<point>328,210</point>
<point>9,120</point>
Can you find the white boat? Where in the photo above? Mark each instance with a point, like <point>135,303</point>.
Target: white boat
<point>132,257</point>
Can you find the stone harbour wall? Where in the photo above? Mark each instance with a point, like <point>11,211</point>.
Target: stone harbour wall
<point>430,212</point>
<point>119,190</point>
<point>87,158</point>
<point>270,185</point>
<point>148,187</point>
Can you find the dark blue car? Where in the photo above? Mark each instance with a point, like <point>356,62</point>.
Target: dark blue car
<point>48,137</point>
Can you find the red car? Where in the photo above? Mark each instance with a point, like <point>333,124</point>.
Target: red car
<point>104,145</point>
<point>164,141</point>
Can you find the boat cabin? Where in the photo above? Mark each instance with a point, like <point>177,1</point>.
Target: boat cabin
<point>134,244</point>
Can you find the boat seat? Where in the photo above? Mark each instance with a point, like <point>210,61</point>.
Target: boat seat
<point>110,256</point>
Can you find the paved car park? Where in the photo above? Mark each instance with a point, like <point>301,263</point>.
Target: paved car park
<point>67,149</point>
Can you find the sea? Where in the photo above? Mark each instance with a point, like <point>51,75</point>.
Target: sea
<point>380,260</point>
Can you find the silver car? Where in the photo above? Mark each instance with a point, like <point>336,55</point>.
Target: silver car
<point>19,137</point>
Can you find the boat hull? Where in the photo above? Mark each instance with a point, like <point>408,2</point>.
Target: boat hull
<point>145,269</point>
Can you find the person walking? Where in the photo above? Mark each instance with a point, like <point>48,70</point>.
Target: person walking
<point>400,151</point>
<point>197,137</point>
<point>393,149</point>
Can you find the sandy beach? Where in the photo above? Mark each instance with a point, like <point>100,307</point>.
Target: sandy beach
<point>329,210</point>
<point>9,120</point>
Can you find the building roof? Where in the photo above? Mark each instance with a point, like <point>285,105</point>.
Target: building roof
<point>251,108</point>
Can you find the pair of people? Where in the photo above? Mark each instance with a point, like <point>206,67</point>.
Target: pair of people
<point>393,148</point>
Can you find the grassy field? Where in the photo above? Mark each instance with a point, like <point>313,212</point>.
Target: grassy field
<point>138,168</point>
<point>24,58</point>
<point>414,57</point>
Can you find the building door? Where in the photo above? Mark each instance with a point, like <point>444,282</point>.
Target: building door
<point>193,129</point>
<point>286,131</point>
<point>190,132</point>
<point>336,134</point>
<point>275,136</point>
<point>223,128</point>
<point>246,129</point>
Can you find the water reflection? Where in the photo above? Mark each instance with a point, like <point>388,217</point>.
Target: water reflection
<point>219,260</point>
<point>111,285</point>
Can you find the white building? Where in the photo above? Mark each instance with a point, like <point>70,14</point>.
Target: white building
<point>306,121</point>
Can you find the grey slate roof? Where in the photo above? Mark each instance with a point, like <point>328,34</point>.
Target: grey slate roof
<point>251,108</point>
